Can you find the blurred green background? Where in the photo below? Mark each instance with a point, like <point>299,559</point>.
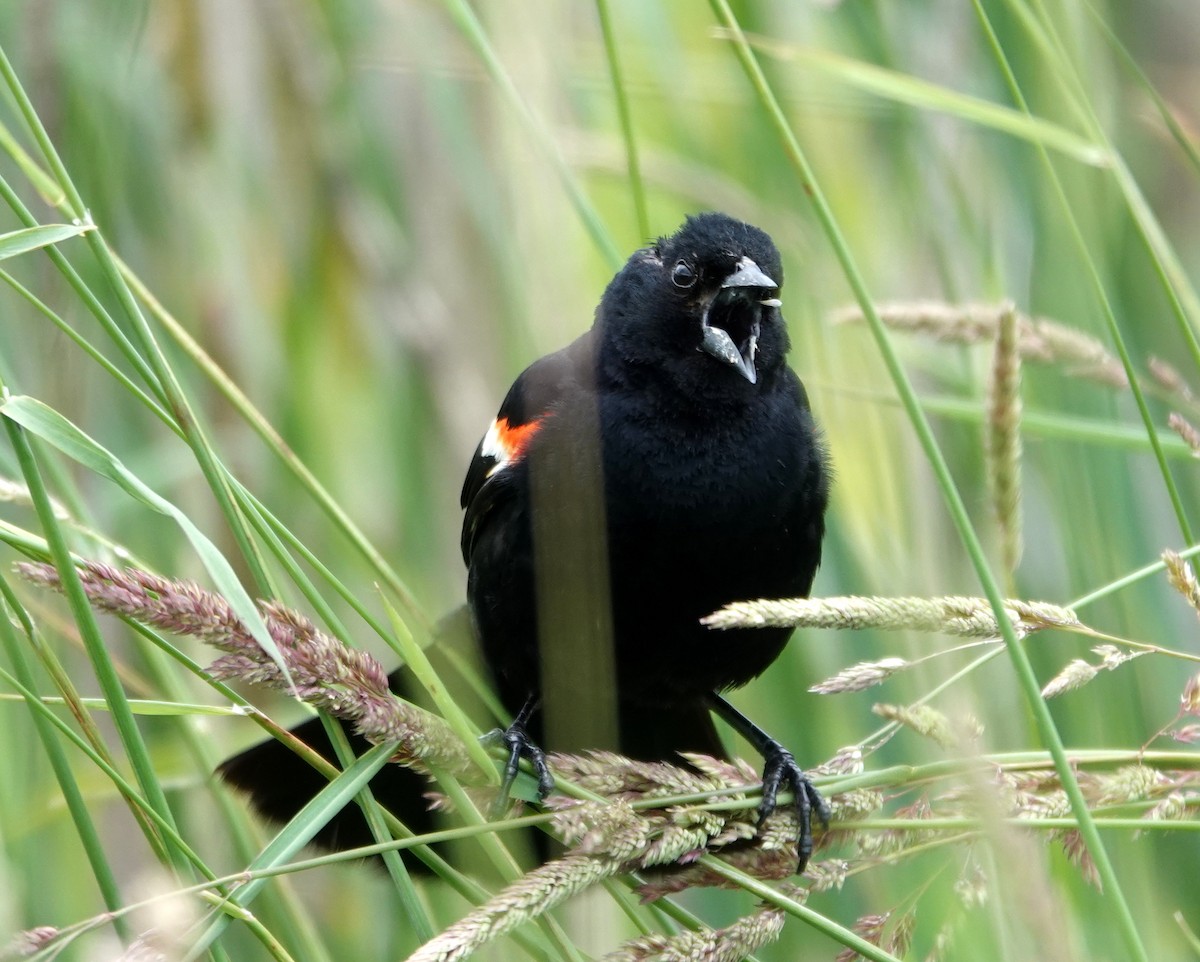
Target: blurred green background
<point>373,215</point>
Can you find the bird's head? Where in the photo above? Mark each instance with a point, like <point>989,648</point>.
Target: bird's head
<point>703,303</point>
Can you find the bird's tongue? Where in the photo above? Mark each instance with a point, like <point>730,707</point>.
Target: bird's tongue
<point>730,333</point>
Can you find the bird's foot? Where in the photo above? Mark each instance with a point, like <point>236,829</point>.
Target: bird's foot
<point>519,745</point>
<point>782,772</point>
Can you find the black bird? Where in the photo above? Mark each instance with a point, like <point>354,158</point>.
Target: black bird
<point>664,464</point>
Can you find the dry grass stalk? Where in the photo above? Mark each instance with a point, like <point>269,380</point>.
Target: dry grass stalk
<point>1038,339</point>
<point>1033,794</point>
<point>1173,808</point>
<point>972,887</point>
<point>529,896</point>
<point>776,863</point>
<point>672,836</point>
<point>144,949</point>
<point>1128,783</point>
<point>1112,657</point>
<point>1040,795</point>
<point>869,928</point>
<point>943,942</point>
<point>1079,672</point>
<point>827,876</point>
<point>663,843</point>
<point>845,761</point>
<point>348,684</point>
<point>1187,734</point>
<point>1078,855</point>
<point>1004,436</point>
<point>13,492</point>
<point>28,942</point>
<point>900,940</point>
<point>1189,707</point>
<point>1182,578</point>
<point>1186,430</point>
<point>866,674</point>
<point>730,944</point>
<point>1100,788</point>
<point>928,721</point>
<point>956,323</point>
<point>964,616</point>
<point>615,776</point>
<point>1189,701</point>
<point>1169,379</point>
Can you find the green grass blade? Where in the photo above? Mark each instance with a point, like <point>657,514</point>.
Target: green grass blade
<point>131,738</point>
<point>633,168</point>
<point>91,350</point>
<point>43,183</point>
<point>54,429</point>
<point>145,706</point>
<point>85,827</point>
<point>297,833</point>
<point>426,675</point>
<point>905,89</point>
<point>769,895</point>
<point>275,443</point>
<point>1026,677</point>
<point>27,239</point>
<point>86,295</point>
<point>128,790</point>
<point>468,22</point>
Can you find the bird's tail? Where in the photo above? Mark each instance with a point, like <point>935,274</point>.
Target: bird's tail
<point>279,783</point>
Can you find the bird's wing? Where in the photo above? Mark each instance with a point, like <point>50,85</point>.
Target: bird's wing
<point>492,475</point>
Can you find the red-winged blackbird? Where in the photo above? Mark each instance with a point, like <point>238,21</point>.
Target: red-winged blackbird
<point>659,467</point>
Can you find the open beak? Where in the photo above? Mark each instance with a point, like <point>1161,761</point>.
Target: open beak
<point>730,324</point>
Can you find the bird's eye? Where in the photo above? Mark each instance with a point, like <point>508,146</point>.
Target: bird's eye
<point>682,275</point>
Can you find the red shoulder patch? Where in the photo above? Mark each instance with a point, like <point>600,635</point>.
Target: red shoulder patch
<point>505,442</point>
<point>515,438</point>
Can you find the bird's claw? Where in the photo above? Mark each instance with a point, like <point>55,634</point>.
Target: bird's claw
<point>519,745</point>
<point>782,772</point>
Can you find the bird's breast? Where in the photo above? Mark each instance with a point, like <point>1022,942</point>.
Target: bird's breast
<point>704,470</point>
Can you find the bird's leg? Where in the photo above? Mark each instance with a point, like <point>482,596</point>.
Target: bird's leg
<point>779,771</point>
<point>516,739</point>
